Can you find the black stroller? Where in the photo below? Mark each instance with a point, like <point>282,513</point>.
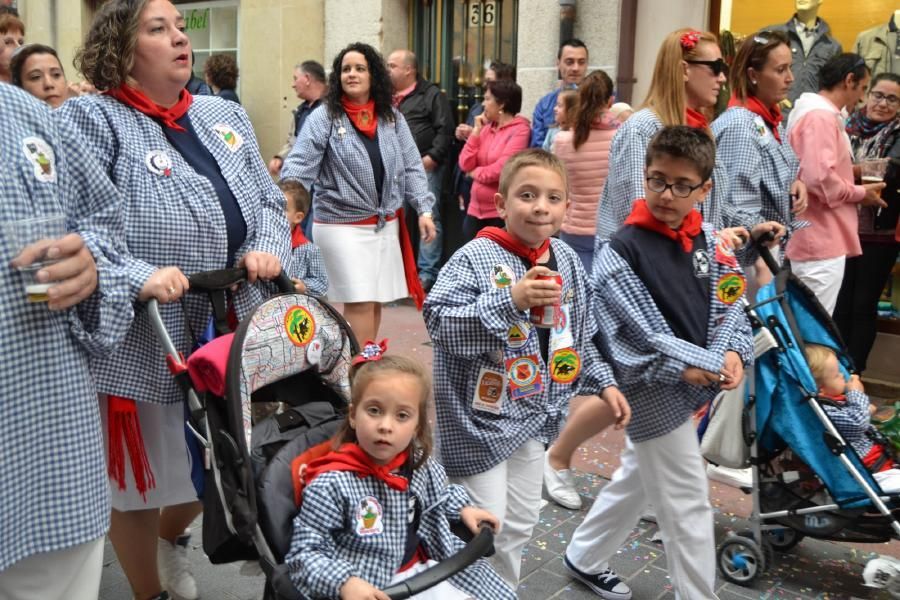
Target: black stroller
<point>294,350</point>
<point>807,481</point>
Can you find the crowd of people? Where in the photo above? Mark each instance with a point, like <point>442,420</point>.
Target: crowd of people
<point>606,252</point>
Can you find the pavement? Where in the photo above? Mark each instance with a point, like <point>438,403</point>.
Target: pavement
<point>814,569</point>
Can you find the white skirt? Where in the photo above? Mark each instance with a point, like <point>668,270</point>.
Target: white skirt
<point>162,427</point>
<point>362,265</point>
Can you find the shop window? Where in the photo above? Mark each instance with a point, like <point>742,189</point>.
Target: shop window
<point>213,29</point>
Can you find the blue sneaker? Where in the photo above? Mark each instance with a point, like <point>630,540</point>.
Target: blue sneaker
<point>605,584</point>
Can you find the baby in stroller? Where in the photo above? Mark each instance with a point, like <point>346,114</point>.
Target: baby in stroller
<point>849,409</point>
<point>377,509</point>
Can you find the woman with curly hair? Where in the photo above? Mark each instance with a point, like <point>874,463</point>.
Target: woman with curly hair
<point>195,195</point>
<point>359,153</point>
<point>221,73</point>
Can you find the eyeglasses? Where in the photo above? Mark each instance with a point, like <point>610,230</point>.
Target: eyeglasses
<point>717,66</point>
<point>890,100</point>
<point>679,190</point>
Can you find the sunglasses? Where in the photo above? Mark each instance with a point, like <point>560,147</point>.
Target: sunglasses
<point>717,66</point>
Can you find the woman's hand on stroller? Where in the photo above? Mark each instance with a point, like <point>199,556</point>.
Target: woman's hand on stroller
<point>260,265</point>
<point>167,284</point>
<point>732,372</point>
<point>357,588</point>
<point>472,517</point>
<point>775,228</point>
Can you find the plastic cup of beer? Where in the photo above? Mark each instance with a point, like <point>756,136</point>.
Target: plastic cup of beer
<point>872,170</point>
<point>41,231</point>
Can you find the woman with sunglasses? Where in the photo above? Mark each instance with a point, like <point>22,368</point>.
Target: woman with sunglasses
<point>874,132</point>
<point>687,77</point>
<point>762,168</point>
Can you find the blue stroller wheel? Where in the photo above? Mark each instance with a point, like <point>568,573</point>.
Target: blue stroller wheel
<point>740,560</point>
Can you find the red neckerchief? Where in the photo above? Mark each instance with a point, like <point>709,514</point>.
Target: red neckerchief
<point>771,116</point>
<point>506,240</point>
<point>841,398</point>
<point>362,115</point>
<point>350,457</point>
<point>297,237</point>
<point>138,100</point>
<point>695,119</point>
<point>690,228</point>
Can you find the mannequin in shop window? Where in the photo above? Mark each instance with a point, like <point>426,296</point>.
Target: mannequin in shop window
<point>811,46</point>
<point>880,46</point>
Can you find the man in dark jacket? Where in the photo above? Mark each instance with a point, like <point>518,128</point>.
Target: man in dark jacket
<point>811,47</point>
<point>427,112</point>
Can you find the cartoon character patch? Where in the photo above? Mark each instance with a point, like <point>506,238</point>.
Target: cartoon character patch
<point>565,365</point>
<point>369,517</point>
<point>232,139</point>
<point>502,276</point>
<point>299,325</point>
<point>701,263</point>
<point>41,156</point>
<point>518,335</point>
<point>730,287</point>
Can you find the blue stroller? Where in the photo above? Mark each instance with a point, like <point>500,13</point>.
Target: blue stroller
<point>807,481</point>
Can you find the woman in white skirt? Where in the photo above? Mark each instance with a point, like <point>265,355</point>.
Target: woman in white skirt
<point>195,196</point>
<point>358,151</point>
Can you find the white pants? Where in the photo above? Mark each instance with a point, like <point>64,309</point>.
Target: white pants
<point>823,277</point>
<point>669,473</point>
<point>512,492</point>
<point>69,574</point>
<point>442,591</point>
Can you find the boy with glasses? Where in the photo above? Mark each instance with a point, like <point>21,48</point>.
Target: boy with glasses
<point>667,292</point>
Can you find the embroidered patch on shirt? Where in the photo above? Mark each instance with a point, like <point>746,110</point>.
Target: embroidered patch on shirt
<point>730,287</point>
<point>502,276</point>
<point>490,392</point>
<point>565,365</point>
<point>40,155</point>
<point>369,517</point>
<point>158,163</point>
<point>227,134</point>
<point>561,332</point>
<point>518,335</point>
<point>524,376</point>
<point>299,325</point>
<point>701,263</point>
<point>725,254</point>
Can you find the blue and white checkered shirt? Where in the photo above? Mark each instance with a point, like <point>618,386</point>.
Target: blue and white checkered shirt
<point>172,218</point>
<point>470,320</point>
<point>332,540</point>
<point>625,182</point>
<point>308,266</point>
<point>853,421</point>
<point>330,155</point>
<point>54,492</point>
<point>647,357</point>
<point>760,170</point>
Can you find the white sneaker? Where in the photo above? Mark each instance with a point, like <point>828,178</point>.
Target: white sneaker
<point>739,478</point>
<point>175,568</point>
<point>560,485</point>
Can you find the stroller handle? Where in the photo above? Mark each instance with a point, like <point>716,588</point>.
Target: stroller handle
<point>472,551</point>
<point>764,252</point>
<point>223,279</point>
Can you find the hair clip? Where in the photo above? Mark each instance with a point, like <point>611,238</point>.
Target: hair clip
<point>689,40</point>
<point>759,39</point>
<point>370,352</point>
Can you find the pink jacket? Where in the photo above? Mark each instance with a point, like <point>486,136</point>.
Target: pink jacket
<point>817,135</point>
<point>484,156</point>
<point>587,168</point>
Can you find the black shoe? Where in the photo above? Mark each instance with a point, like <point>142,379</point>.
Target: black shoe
<point>605,584</point>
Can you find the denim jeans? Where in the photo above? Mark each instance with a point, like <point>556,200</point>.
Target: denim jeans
<point>429,260</point>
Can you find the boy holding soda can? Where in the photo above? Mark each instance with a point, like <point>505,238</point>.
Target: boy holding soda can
<point>502,381</point>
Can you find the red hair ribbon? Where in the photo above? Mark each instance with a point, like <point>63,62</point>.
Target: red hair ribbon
<point>370,352</point>
<point>689,40</point>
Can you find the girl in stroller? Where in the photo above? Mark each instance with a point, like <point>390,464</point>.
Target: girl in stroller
<point>848,407</point>
<point>377,508</point>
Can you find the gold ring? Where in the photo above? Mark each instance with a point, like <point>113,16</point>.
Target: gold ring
<point>171,291</point>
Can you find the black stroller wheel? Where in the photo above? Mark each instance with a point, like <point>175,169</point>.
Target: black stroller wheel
<point>740,560</point>
<point>783,539</point>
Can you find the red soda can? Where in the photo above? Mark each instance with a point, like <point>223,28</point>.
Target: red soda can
<point>545,316</point>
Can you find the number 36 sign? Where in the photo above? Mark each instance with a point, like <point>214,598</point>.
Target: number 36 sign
<point>483,13</point>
